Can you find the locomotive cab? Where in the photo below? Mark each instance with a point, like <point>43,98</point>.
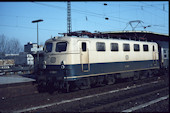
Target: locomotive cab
<point>55,52</point>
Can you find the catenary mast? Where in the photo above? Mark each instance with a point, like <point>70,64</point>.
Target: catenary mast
<point>69,29</point>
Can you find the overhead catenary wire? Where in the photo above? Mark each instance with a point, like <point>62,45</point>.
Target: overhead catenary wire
<point>163,9</point>
<point>16,26</point>
<point>28,27</point>
<point>84,12</point>
<point>19,16</point>
<point>90,13</point>
<point>165,25</point>
<point>127,5</point>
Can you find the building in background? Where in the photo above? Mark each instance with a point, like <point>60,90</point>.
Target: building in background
<point>32,48</point>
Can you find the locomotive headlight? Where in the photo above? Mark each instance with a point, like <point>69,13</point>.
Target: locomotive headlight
<point>62,65</point>
<point>44,65</point>
<point>44,62</point>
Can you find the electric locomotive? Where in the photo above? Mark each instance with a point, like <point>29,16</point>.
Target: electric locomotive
<point>71,62</point>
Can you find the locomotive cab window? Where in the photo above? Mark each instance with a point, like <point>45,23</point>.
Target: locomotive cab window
<point>61,46</point>
<point>48,47</point>
<point>100,46</point>
<point>136,47</point>
<point>83,46</point>
<point>126,47</point>
<point>145,48</point>
<point>164,51</point>
<point>114,46</point>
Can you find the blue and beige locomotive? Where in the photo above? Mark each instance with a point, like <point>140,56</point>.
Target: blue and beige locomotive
<point>86,62</point>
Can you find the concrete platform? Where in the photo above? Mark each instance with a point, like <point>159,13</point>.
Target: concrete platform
<point>12,79</point>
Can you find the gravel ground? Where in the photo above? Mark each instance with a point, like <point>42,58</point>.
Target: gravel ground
<point>142,101</point>
<point>162,106</point>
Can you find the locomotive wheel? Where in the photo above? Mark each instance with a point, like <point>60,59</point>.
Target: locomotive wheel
<point>67,87</point>
<point>150,73</point>
<point>142,74</point>
<point>111,79</point>
<point>50,87</point>
<point>93,81</point>
<point>41,87</point>
<point>85,84</point>
<point>136,76</point>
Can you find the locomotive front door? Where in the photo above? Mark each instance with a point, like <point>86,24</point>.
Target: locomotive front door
<point>84,55</point>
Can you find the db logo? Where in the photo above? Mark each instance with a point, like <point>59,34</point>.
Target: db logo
<point>127,57</point>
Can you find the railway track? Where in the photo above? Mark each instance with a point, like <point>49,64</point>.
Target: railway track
<point>31,100</point>
<point>126,101</point>
<point>113,101</point>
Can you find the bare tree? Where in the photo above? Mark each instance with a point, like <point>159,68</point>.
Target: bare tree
<point>10,46</point>
<point>3,43</point>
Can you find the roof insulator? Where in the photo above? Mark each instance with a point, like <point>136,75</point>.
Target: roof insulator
<point>105,4</point>
<point>106,18</point>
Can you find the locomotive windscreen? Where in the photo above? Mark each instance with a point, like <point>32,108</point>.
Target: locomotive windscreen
<point>61,46</point>
<point>48,47</point>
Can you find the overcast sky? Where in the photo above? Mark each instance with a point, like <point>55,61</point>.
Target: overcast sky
<point>16,18</point>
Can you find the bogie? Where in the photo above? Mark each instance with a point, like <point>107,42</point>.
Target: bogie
<point>111,79</point>
<point>136,76</point>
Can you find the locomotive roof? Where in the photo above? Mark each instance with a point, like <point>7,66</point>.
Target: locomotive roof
<point>133,35</point>
<point>150,36</point>
<point>68,38</point>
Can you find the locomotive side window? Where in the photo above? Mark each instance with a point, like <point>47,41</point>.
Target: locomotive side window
<point>100,46</point>
<point>61,46</point>
<point>83,46</point>
<point>145,48</point>
<point>136,47</point>
<point>153,48</point>
<point>48,47</point>
<point>114,46</point>
<point>126,47</point>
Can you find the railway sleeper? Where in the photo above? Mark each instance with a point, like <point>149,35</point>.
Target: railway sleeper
<point>109,103</point>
